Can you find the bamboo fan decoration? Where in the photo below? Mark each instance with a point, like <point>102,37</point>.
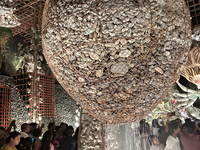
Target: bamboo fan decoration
<point>117,59</point>
<point>191,70</point>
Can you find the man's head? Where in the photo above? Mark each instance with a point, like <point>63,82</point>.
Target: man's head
<point>63,126</point>
<point>190,127</point>
<point>33,126</point>
<point>174,128</point>
<point>25,128</point>
<point>51,126</point>
<point>69,131</point>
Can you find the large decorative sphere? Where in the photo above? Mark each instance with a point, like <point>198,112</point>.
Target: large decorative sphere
<point>117,59</point>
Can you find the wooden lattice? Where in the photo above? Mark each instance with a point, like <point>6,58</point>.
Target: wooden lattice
<point>5,108</point>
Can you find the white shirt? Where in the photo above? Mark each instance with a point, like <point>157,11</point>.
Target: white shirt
<point>172,143</point>
<point>157,147</point>
<point>24,135</point>
<point>155,131</point>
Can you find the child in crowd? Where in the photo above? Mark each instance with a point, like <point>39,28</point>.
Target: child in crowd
<point>173,142</point>
<point>156,143</point>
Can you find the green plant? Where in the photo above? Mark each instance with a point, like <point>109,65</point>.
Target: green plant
<point>5,31</point>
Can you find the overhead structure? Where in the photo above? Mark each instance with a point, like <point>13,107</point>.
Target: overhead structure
<point>30,14</point>
<point>194,6</point>
<point>117,59</point>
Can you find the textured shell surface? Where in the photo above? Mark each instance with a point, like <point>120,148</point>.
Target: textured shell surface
<point>127,53</point>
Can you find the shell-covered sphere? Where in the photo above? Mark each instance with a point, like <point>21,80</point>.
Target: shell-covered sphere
<point>117,59</point>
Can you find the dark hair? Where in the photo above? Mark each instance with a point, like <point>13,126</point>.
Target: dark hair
<point>26,143</point>
<point>46,140</point>
<point>69,131</point>
<point>190,126</point>
<point>2,128</point>
<point>13,135</point>
<point>178,119</point>
<point>33,124</point>
<point>155,123</point>
<point>142,121</point>
<point>57,128</point>
<point>51,124</point>
<point>173,125</point>
<point>62,123</point>
<point>145,128</point>
<point>36,132</point>
<point>24,126</point>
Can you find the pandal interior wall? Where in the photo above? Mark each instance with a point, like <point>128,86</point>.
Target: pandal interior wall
<point>66,109</point>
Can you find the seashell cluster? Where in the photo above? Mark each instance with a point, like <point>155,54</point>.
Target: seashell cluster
<point>196,34</point>
<point>91,133</point>
<point>117,59</point>
<point>7,3</point>
<point>7,18</point>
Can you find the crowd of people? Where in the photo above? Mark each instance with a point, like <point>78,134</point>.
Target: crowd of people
<point>60,137</point>
<point>159,136</point>
<point>173,135</point>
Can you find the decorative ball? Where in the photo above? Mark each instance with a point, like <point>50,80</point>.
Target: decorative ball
<point>117,59</point>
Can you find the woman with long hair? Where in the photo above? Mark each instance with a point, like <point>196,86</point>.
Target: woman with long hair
<point>12,140</point>
<point>46,141</point>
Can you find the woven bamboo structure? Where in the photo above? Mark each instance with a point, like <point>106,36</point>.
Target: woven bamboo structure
<point>117,59</point>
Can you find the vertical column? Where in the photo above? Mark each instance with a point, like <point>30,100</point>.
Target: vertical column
<point>91,133</point>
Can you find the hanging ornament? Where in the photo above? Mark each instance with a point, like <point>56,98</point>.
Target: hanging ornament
<point>117,59</point>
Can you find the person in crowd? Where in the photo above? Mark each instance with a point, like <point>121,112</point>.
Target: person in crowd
<point>51,127</point>
<point>46,141</point>
<point>173,142</point>
<point>156,145</point>
<point>163,134</point>
<point>25,129</point>
<point>33,126</point>
<point>59,133</point>
<point>36,142</point>
<point>68,143</point>
<point>57,128</point>
<point>76,137</point>
<point>155,127</point>
<point>190,140</point>
<point>12,140</point>
<point>12,125</point>
<point>55,140</point>
<point>26,143</point>
<point>178,120</point>
<point>142,122</point>
<point>63,127</point>
<point>3,136</point>
<point>144,136</point>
